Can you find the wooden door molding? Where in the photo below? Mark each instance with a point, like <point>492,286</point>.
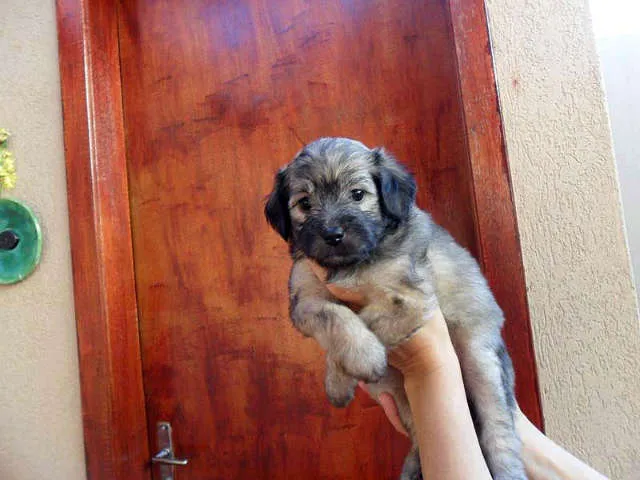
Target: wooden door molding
<point>496,222</point>
<point>115,429</point>
<point>113,409</point>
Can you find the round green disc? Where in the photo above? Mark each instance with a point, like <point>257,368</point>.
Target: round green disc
<point>20,241</point>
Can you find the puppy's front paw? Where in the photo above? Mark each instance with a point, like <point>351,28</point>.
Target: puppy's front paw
<point>364,359</point>
<point>340,387</point>
<point>340,394</point>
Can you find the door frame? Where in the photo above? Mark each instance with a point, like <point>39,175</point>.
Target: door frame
<point>113,404</point>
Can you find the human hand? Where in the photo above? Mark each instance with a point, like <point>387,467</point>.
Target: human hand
<point>426,351</point>
<point>388,404</point>
<point>429,351</point>
<point>353,299</point>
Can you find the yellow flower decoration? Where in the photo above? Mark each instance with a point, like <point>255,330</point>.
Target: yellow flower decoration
<point>7,163</point>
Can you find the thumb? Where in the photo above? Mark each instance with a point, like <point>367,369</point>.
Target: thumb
<point>388,404</point>
<point>389,407</point>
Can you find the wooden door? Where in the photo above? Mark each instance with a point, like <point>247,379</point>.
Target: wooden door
<point>216,95</point>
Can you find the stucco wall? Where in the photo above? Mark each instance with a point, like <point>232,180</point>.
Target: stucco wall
<point>40,420</point>
<point>581,296</point>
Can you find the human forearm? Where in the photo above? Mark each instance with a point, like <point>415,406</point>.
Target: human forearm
<point>449,448</point>
<point>448,443</point>
<point>545,460</point>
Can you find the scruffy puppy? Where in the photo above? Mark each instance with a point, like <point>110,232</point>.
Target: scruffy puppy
<point>352,210</point>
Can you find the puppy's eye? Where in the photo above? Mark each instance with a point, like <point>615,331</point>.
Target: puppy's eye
<point>357,195</point>
<point>305,204</point>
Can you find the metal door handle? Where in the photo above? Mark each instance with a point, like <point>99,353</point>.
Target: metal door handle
<point>165,457</point>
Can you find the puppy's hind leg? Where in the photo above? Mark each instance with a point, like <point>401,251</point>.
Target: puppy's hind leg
<point>488,378</point>
<point>411,470</point>
<point>393,383</point>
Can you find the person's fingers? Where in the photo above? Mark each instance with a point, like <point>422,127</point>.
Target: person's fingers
<point>351,298</point>
<point>320,272</point>
<point>388,404</point>
<point>389,407</point>
<point>428,349</point>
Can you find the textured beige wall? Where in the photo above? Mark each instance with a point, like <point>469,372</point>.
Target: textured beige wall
<point>582,301</point>
<point>40,420</point>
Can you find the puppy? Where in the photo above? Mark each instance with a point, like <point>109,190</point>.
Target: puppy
<point>352,210</point>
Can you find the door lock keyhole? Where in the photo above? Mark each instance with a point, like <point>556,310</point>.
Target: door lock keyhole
<point>8,240</point>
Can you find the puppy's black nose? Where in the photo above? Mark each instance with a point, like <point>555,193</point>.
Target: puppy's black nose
<point>333,235</point>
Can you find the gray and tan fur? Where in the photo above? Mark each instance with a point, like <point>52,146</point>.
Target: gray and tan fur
<point>352,210</point>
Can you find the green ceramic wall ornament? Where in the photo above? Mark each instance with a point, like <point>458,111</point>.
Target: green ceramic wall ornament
<point>20,236</point>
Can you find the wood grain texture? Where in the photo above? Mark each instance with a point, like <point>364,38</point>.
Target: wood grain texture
<point>496,222</point>
<point>111,377</point>
<point>247,84</point>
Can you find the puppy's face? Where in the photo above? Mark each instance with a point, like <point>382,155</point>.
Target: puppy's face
<point>337,199</point>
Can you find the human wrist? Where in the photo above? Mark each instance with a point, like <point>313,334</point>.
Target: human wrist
<point>442,360</point>
<point>426,351</point>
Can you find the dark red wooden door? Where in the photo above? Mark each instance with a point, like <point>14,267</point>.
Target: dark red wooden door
<point>217,96</point>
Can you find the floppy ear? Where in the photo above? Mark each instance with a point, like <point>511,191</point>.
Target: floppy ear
<point>396,187</point>
<point>277,207</point>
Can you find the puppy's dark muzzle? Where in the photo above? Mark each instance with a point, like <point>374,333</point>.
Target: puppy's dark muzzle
<point>333,236</point>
